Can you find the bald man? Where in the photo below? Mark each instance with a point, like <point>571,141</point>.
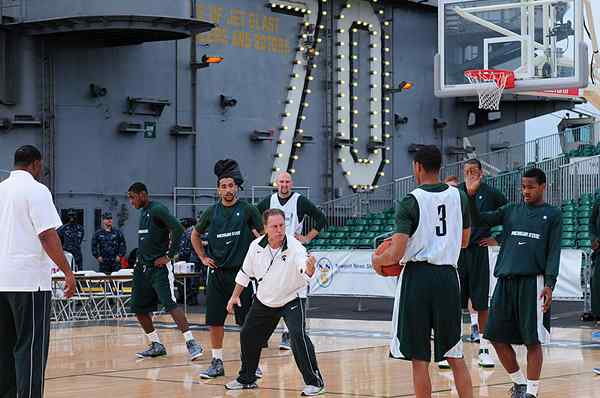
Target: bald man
<point>296,208</point>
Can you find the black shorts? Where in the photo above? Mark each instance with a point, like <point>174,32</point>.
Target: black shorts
<point>516,315</point>
<point>474,273</point>
<point>151,286</point>
<point>219,288</point>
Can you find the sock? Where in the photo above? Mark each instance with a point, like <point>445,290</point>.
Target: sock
<point>188,336</point>
<point>153,337</point>
<point>217,353</point>
<point>532,387</point>
<point>474,319</point>
<point>484,344</point>
<point>518,377</point>
<point>285,328</point>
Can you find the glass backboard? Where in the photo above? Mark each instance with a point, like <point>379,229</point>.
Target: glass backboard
<point>541,41</point>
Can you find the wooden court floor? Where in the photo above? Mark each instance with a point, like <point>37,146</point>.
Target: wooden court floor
<point>98,361</point>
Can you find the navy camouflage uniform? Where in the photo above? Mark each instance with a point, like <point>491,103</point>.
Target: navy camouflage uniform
<point>71,236</point>
<point>188,254</point>
<point>109,245</point>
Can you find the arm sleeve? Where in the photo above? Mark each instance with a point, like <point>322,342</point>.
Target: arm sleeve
<point>204,222</point>
<point>174,226</point>
<point>95,253</point>
<point>42,212</point>
<point>254,218</point>
<point>407,216</point>
<point>264,205</point>
<point>486,218</point>
<point>593,221</point>
<point>122,245</point>
<point>247,271</point>
<point>466,214</point>
<point>307,208</point>
<point>553,259</point>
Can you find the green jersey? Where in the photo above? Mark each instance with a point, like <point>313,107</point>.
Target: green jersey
<point>229,232</point>
<point>487,198</point>
<point>407,216</point>
<point>531,243</point>
<point>159,233</point>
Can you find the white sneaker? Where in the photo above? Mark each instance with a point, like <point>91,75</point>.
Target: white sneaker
<point>443,365</point>
<point>310,391</point>
<point>485,359</point>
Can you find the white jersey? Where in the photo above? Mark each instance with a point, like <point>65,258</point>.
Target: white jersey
<point>438,237</point>
<point>293,225</point>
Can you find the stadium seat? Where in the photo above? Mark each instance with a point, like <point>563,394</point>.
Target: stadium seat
<point>388,228</point>
<point>359,228</point>
<point>567,243</point>
<point>339,235</point>
<point>568,214</point>
<point>361,221</point>
<point>325,235</point>
<point>369,235</point>
<point>352,242</point>
<point>375,228</point>
<point>377,221</point>
<point>390,221</point>
<point>354,235</point>
<point>570,228</point>
<point>569,221</point>
<point>365,243</point>
<point>568,235</point>
<point>584,244</point>
<point>336,242</point>
<point>320,242</point>
<point>583,235</point>
<point>584,214</point>
<point>582,228</point>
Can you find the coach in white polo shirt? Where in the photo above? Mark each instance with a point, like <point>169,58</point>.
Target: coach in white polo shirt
<point>279,265</point>
<point>28,242</point>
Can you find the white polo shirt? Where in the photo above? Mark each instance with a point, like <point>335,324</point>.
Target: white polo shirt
<point>279,273</point>
<point>26,210</point>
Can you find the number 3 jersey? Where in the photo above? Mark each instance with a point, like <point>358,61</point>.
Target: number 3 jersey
<point>434,217</point>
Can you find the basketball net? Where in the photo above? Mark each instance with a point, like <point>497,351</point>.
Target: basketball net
<point>490,94</point>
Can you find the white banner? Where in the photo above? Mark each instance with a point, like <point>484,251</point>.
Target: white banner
<point>568,285</point>
<point>349,273</point>
<point>341,273</point>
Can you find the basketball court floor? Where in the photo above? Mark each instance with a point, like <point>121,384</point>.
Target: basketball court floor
<point>97,360</point>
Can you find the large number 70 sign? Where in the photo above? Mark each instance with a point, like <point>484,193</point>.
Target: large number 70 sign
<point>361,172</point>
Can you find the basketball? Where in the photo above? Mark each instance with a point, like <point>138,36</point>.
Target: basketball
<point>392,269</point>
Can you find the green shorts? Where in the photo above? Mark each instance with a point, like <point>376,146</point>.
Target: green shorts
<point>474,273</point>
<point>151,286</point>
<point>219,288</point>
<point>429,300</point>
<point>516,315</point>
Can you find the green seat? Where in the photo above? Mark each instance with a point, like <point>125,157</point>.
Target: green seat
<point>320,242</point>
<point>587,197</point>
<point>332,229</point>
<point>583,235</point>
<point>336,242</point>
<point>568,207</point>
<point>377,221</point>
<point>390,221</point>
<point>354,235</point>
<point>351,221</point>
<point>569,221</point>
<point>585,243</point>
<point>361,221</point>
<point>345,228</point>
<point>568,235</point>
<point>585,207</point>
<point>567,243</point>
<point>582,228</point>
<point>584,214</point>
<point>496,228</point>
<point>388,228</point>
<point>365,243</point>
<point>352,242</point>
<point>359,228</point>
<point>570,228</point>
<point>369,235</point>
<point>568,214</point>
<point>375,228</point>
<point>339,235</point>
<point>325,235</point>
<point>389,210</point>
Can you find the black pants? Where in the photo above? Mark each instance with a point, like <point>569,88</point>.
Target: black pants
<point>25,324</point>
<point>259,325</point>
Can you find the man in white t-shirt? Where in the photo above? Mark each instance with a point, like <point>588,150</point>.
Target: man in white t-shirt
<point>28,246</point>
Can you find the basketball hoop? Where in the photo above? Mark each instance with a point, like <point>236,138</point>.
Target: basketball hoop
<point>490,94</point>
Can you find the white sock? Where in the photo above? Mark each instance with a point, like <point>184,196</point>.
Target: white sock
<point>518,377</point>
<point>484,344</point>
<point>217,353</point>
<point>188,336</point>
<point>153,337</point>
<point>532,387</point>
<point>474,319</point>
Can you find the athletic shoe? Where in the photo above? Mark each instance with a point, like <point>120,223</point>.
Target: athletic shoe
<point>475,337</point>
<point>258,373</point>
<point>310,391</point>
<point>285,341</point>
<point>215,369</point>
<point>194,349</point>
<point>518,391</point>
<point>485,359</point>
<point>236,385</point>
<point>596,371</point>
<point>443,365</point>
<point>154,350</point>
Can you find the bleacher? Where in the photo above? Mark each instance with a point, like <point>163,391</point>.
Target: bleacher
<point>356,233</point>
<point>576,218</point>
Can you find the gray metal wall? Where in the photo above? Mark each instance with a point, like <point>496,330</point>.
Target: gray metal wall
<point>94,163</point>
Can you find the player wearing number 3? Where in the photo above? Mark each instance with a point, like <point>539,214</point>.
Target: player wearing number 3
<point>432,224</point>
